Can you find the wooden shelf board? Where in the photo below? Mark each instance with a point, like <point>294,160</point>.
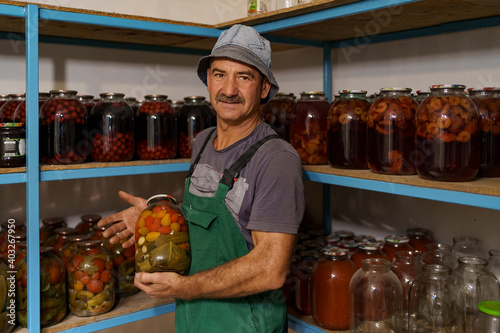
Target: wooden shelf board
<point>90,165</point>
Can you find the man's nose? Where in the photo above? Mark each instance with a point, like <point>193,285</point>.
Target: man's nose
<point>230,87</point>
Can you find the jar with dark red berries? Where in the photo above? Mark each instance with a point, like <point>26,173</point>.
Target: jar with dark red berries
<point>8,108</point>
<point>63,129</point>
<point>87,100</point>
<point>111,127</point>
<point>20,113</point>
<point>156,129</point>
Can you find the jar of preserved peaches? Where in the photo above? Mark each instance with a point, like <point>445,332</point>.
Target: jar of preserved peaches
<point>86,225</point>
<point>447,140</point>
<point>277,113</point>
<point>91,284</point>
<point>308,127</point>
<point>162,238</point>
<point>390,133</point>
<point>422,95</point>
<point>347,130</point>
<point>20,113</point>
<point>49,224</point>
<point>396,243</point>
<point>487,101</point>
<point>6,325</point>
<point>157,129</point>
<point>194,116</point>
<point>124,267</point>
<point>368,250</point>
<point>52,289</point>
<point>12,145</point>
<point>63,129</point>
<point>87,101</point>
<point>111,127</point>
<point>419,238</point>
<point>8,108</point>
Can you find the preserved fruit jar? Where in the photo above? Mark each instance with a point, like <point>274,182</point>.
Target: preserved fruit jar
<point>447,139</point>
<point>63,129</point>
<point>132,101</point>
<point>277,113</point>
<point>488,318</point>
<point>124,267</point>
<point>368,250</point>
<point>330,278</point>
<point>193,117</point>
<point>347,130</point>
<point>177,105</point>
<point>91,285</point>
<point>162,238</point>
<point>12,145</point>
<point>303,297</point>
<point>111,127</point>
<point>487,101</point>
<point>308,127</point>
<point>422,95</point>
<point>49,224</point>
<point>20,113</point>
<point>157,129</point>
<point>7,315</point>
<point>3,99</point>
<point>419,238</point>
<point>87,101</point>
<point>8,108</point>
<point>87,223</point>
<point>11,224</point>
<point>390,133</point>
<point>396,243</point>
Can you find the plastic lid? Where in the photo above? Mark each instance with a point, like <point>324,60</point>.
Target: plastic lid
<point>352,91</point>
<point>334,251</point>
<point>423,91</point>
<point>396,89</point>
<point>11,125</point>
<point>418,231</point>
<point>370,246</point>
<point>453,86</point>
<point>52,221</point>
<point>490,307</point>
<point>91,218</point>
<point>397,239</point>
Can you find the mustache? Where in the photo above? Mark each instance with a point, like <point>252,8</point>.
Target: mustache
<point>230,99</point>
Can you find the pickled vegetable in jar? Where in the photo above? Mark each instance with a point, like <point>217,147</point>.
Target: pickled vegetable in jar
<point>162,238</point>
<point>87,101</point>
<point>487,101</point>
<point>6,324</point>
<point>8,108</point>
<point>12,145</point>
<point>447,140</point>
<point>193,117</point>
<point>156,129</point>
<point>60,238</point>
<point>124,267</point>
<point>396,243</point>
<point>277,113</point>
<point>86,225</point>
<point>308,127</point>
<point>347,130</point>
<point>111,127</point>
<point>91,285</point>
<point>70,248</point>
<point>11,224</point>
<point>20,113</point>
<point>11,243</point>
<point>390,133</point>
<point>49,224</point>
<point>63,129</point>
<point>368,250</point>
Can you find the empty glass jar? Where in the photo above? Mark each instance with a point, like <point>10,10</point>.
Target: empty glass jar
<point>488,318</point>
<point>494,262</point>
<point>467,246</point>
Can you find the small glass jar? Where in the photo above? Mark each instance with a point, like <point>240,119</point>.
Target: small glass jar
<point>6,299</point>
<point>194,116</point>
<point>330,279</point>
<point>49,224</point>
<point>63,129</point>
<point>86,225</point>
<point>303,297</point>
<point>494,262</point>
<point>156,129</point>
<point>60,238</point>
<point>347,130</point>
<point>87,101</point>
<point>20,113</point>
<point>368,250</point>
<point>487,319</point>
<point>487,101</point>
<point>90,280</point>
<point>12,145</point>
<point>447,142</point>
<point>419,238</point>
<point>255,7</point>
<point>111,127</point>
<point>70,248</point>
<point>8,108</point>
<point>422,95</point>
<point>376,298</point>
<point>467,246</point>
<point>395,243</point>
<point>308,127</point>
<point>390,133</point>
<point>277,113</point>
<point>162,237</point>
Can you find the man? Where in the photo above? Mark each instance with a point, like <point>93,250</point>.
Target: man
<point>243,199</point>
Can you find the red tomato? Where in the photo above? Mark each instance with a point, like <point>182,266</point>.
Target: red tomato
<point>118,261</point>
<point>129,252</point>
<point>165,229</point>
<point>85,280</point>
<point>156,209</point>
<point>101,265</point>
<point>55,274</point>
<point>95,286</point>
<point>109,265</point>
<point>96,276</point>
<point>105,276</point>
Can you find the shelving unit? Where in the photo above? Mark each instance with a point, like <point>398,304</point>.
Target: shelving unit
<point>325,23</point>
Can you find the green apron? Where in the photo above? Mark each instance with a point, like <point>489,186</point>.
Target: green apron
<point>216,239</point>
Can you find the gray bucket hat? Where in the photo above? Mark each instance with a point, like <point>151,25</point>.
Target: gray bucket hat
<point>244,44</point>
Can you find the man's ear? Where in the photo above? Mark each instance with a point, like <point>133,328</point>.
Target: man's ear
<point>266,87</point>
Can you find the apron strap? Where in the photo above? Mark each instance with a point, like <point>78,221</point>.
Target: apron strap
<point>191,168</point>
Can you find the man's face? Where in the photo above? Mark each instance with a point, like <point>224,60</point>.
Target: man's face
<point>235,89</point>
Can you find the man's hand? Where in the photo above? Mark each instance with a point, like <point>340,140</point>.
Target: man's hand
<point>164,284</point>
<point>124,221</point>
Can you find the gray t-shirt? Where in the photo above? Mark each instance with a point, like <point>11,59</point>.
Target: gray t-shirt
<point>269,193</point>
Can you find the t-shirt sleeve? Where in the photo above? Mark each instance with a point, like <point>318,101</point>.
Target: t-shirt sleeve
<point>278,204</point>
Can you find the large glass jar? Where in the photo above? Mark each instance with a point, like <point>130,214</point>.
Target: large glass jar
<point>20,113</point>
<point>422,95</point>
<point>277,113</point>
<point>177,105</point>
<point>91,284</point>
<point>63,129</point>
<point>194,116</point>
<point>60,238</point>
<point>70,248</point>
<point>368,250</point>
<point>395,243</point>
<point>11,244</point>
<point>438,254</point>
<point>156,129</point>
<point>390,133</point>
<point>87,101</point>
<point>3,99</point>
<point>86,225</point>
<point>488,318</point>
<point>111,127</point>
<point>303,297</point>
<point>12,145</point>
<point>132,101</point>
<point>6,316</point>
<point>494,262</point>
<point>8,108</point>
<point>433,302</point>
<point>49,224</point>
<point>330,279</point>
<point>447,142</point>
<point>124,267</point>
<point>162,237</point>
<point>308,127</point>
<point>52,289</point>
<point>376,298</point>
<point>347,130</point>
<point>487,101</point>
<point>467,246</point>
<point>419,238</point>
<point>17,225</point>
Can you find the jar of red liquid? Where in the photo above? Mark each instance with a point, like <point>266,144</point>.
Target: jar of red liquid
<point>87,101</point>
<point>86,225</point>
<point>347,130</point>
<point>60,238</point>
<point>344,235</point>
<point>349,245</point>
<point>368,250</point>
<point>422,95</point>
<point>49,224</point>
<point>396,243</point>
<point>308,127</point>
<point>487,101</point>
<point>330,279</point>
<point>63,129</point>
<point>157,129</point>
<point>124,267</point>
<point>69,249</point>
<point>20,113</point>
<point>277,113</point>
<point>419,238</point>
<point>447,140</point>
<point>8,108</point>
<point>90,275</point>
<point>111,127</point>
<point>390,133</point>
<point>303,299</point>
<point>193,117</point>
<point>289,285</point>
